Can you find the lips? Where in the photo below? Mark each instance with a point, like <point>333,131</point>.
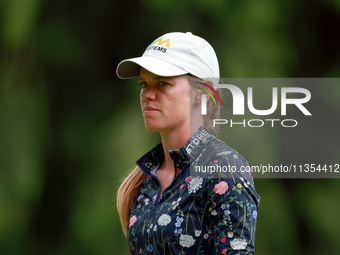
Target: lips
<point>149,109</point>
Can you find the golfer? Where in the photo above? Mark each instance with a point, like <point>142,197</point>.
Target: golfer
<point>169,204</point>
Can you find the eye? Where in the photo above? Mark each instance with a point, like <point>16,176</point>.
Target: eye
<point>163,83</point>
<point>143,84</point>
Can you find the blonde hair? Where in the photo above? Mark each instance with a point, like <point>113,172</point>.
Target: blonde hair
<point>213,112</point>
<point>129,188</point>
<point>127,192</point>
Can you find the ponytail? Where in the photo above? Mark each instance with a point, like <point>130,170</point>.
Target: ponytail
<point>126,193</point>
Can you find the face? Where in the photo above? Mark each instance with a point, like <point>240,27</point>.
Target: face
<point>165,101</point>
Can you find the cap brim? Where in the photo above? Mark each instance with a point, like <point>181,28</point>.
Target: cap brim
<point>130,68</point>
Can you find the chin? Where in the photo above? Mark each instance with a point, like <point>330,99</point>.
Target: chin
<point>152,126</point>
<point>156,126</point>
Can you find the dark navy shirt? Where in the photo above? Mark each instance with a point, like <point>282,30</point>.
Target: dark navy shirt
<point>205,210</point>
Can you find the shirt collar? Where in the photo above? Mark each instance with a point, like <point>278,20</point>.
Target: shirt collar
<point>182,156</point>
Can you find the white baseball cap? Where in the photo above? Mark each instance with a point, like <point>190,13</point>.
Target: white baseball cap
<point>174,54</point>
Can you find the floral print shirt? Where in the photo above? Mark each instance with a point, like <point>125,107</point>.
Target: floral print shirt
<point>200,212</point>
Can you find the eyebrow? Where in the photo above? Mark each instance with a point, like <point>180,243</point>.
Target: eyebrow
<point>157,77</point>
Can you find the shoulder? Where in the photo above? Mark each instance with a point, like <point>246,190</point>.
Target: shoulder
<point>222,168</point>
<point>217,152</point>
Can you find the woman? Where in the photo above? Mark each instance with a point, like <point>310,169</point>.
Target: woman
<point>165,205</point>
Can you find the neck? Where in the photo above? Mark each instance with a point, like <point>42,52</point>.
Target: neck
<point>172,140</point>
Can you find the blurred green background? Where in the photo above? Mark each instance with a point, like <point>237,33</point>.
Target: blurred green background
<point>70,129</point>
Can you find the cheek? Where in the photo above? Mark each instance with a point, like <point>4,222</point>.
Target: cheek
<point>183,104</point>
<point>193,99</point>
<point>182,100</point>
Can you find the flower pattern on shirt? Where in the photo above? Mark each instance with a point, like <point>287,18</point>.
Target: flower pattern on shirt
<point>198,213</point>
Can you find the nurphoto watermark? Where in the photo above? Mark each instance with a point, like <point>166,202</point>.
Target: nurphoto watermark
<point>275,105</point>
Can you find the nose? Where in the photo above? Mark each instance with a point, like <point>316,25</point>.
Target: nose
<point>148,93</point>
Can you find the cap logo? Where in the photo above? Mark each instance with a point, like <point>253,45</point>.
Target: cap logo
<point>160,42</point>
